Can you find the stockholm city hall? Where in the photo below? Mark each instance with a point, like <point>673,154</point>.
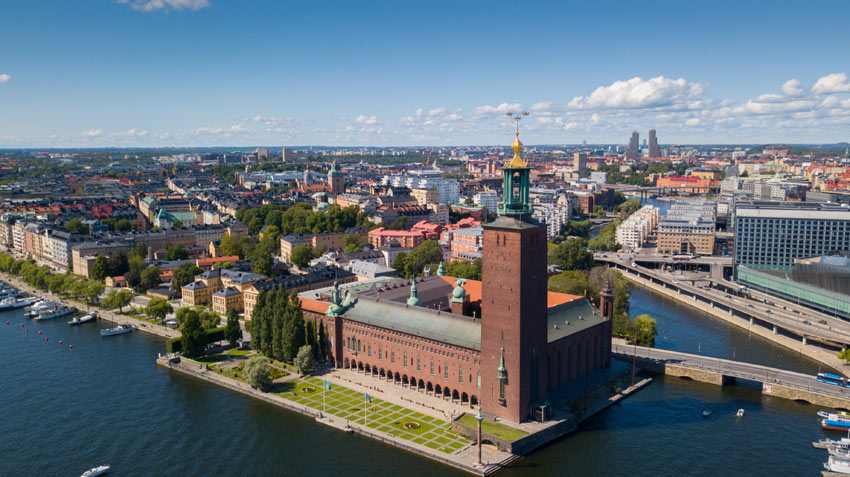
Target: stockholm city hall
<point>525,343</point>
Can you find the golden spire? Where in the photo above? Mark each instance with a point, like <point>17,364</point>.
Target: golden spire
<point>517,160</point>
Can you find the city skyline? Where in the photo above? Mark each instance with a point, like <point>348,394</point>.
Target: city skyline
<point>155,73</point>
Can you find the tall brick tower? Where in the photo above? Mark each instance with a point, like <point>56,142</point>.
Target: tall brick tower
<point>513,306</point>
<point>336,180</point>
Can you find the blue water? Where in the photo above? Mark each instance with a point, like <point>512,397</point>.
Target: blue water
<point>106,401</point>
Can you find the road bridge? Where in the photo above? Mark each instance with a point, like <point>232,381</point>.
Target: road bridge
<point>774,381</point>
<point>810,324</point>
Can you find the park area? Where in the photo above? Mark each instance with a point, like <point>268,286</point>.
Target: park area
<point>381,415</point>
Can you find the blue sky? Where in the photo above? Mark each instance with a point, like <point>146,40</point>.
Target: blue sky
<point>251,72</point>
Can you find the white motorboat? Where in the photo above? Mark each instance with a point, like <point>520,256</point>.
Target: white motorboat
<point>120,329</point>
<point>99,470</point>
<point>79,320</point>
<point>834,416</point>
<point>56,312</point>
<point>837,465</point>
<point>825,443</point>
<point>12,303</point>
<point>740,412</point>
<point>706,412</point>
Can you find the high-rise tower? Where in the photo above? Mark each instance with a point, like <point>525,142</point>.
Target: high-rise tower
<point>633,151</point>
<point>514,309</point>
<point>336,180</point>
<point>654,150</point>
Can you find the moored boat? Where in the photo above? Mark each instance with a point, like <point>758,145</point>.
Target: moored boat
<point>834,425</point>
<point>837,465</point>
<point>95,471</point>
<point>56,312</point>
<point>12,303</point>
<point>120,329</point>
<point>826,443</point>
<point>834,416</point>
<point>79,320</point>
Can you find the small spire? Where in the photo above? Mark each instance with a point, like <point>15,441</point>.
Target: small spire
<point>441,270</point>
<point>414,296</point>
<point>502,372</point>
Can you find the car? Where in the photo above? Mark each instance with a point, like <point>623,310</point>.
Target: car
<point>823,322</point>
<point>675,282</point>
<point>806,322</point>
<point>751,306</point>
<point>728,296</point>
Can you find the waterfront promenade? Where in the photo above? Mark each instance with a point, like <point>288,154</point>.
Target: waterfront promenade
<point>141,325</point>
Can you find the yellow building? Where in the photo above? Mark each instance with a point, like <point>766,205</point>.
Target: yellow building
<point>201,291</point>
<point>227,299</point>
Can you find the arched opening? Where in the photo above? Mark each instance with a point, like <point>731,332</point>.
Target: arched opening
<point>397,378</point>
<point>464,398</point>
<point>382,373</point>
<point>438,390</point>
<point>404,380</point>
<point>447,392</point>
<point>473,400</point>
<point>421,384</point>
<point>455,395</point>
<point>368,369</point>
<point>412,382</point>
<point>429,387</point>
<point>360,366</point>
<point>346,363</point>
<point>374,370</point>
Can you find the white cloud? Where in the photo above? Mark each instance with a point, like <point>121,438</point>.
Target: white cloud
<point>757,107</point>
<point>638,93</point>
<point>363,119</point>
<point>692,122</point>
<point>502,108</point>
<point>4,78</point>
<point>437,111</point>
<point>235,129</point>
<point>834,83</point>
<point>792,87</point>
<point>93,133</point>
<point>153,5</point>
<point>130,133</point>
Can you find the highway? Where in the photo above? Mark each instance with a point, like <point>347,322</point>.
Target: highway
<point>736,369</point>
<point>780,313</point>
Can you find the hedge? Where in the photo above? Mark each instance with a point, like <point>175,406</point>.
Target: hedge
<point>175,345</point>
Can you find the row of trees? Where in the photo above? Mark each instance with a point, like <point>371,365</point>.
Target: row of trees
<point>200,328</point>
<point>278,328</point>
<point>301,219</point>
<point>41,277</point>
<point>409,265</point>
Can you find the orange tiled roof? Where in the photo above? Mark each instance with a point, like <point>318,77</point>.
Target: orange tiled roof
<point>314,305</point>
<point>473,291</point>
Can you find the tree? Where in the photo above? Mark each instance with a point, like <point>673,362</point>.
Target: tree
<point>352,248</point>
<point>140,250</point>
<point>233,332</point>
<point>193,339</point>
<point>301,256</point>
<point>468,201</point>
<point>99,268</point>
<point>76,225</point>
<point>844,354</point>
<point>599,212</point>
<point>92,290</point>
<point>400,264</point>
<point>571,282</point>
<point>117,264</point>
<point>177,224</point>
<point>176,252</point>
<point>464,269</point>
<point>355,240</point>
<point>293,333</point>
<point>209,320</point>
<point>184,274</point>
<point>578,228</point>
<point>149,278</point>
<point>262,265</point>
<point>133,278</point>
<point>256,372</point>
<point>304,359</point>
<point>571,254</point>
<point>222,265</point>
<point>646,330</point>
<point>323,341</point>
<point>426,253</point>
<point>118,299</point>
<point>158,309</point>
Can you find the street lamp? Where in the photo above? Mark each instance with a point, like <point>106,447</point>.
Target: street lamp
<point>480,417</point>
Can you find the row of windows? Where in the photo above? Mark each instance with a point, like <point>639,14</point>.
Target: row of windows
<point>434,348</point>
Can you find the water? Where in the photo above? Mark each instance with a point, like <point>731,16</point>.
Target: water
<point>106,401</point>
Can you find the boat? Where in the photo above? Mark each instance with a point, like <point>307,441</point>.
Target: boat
<point>120,329</point>
<point>99,470</point>
<point>740,412</point>
<point>56,312</point>
<point>837,465</point>
<point>12,303</point>
<point>706,413</point>
<point>835,425</point>
<point>37,307</point>
<point>825,443</point>
<point>834,416</point>
<point>83,319</point>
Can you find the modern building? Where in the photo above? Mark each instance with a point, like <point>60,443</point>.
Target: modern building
<point>632,233</point>
<point>633,150</point>
<point>688,227</point>
<point>579,161</point>
<point>448,189</point>
<point>654,150</point>
<point>771,235</point>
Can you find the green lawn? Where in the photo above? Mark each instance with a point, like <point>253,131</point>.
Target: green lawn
<point>239,352</point>
<point>348,404</point>
<point>502,431</point>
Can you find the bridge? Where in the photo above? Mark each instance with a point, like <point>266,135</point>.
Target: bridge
<point>798,321</point>
<point>774,382</point>
<point>646,191</point>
